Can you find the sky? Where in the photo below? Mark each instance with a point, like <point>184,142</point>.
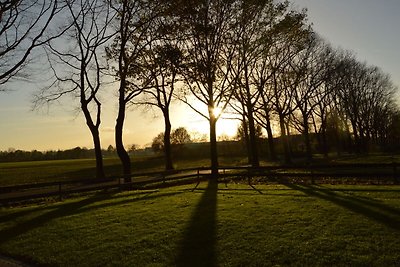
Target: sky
<point>369,28</point>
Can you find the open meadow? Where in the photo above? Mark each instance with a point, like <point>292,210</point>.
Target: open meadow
<point>215,225</point>
<point>14,173</point>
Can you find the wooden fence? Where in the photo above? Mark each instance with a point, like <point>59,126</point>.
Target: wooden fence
<point>385,173</point>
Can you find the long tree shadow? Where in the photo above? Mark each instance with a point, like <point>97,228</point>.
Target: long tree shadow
<point>378,212</point>
<point>199,242</point>
<point>68,209</point>
<point>61,211</point>
<point>108,195</point>
<point>361,200</point>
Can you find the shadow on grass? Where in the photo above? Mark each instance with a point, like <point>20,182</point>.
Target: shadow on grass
<point>68,209</point>
<point>199,241</point>
<point>379,212</point>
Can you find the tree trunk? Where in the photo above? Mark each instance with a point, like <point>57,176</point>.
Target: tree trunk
<point>288,138</point>
<point>356,142</point>
<point>97,150</point>
<point>253,139</point>
<point>99,157</point>
<point>246,139</point>
<point>324,138</point>
<point>213,146</point>
<point>94,130</point>
<point>306,135</point>
<point>252,129</point>
<point>122,154</point>
<point>284,139</point>
<point>271,144</point>
<point>167,142</point>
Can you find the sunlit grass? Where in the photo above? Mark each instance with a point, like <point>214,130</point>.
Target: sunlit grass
<point>229,226</point>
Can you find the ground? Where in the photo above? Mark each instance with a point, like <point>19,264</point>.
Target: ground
<point>224,225</point>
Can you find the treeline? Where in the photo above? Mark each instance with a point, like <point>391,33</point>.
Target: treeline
<point>34,155</point>
<point>260,60</point>
<point>17,155</point>
<point>344,104</point>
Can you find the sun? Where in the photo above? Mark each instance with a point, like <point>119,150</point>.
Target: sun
<point>227,124</point>
<point>227,127</point>
<point>216,111</point>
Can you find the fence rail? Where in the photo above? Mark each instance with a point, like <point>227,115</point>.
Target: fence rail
<point>381,172</point>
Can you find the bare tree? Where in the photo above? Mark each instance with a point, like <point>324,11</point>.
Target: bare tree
<point>253,23</point>
<point>179,137</point>
<point>363,93</point>
<point>77,67</point>
<point>327,104</point>
<point>24,26</point>
<point>312,67</point>
<point>209,54</point>
<point>258,28</point>
<point>161,66</point>
<point>289,40</point>
<point>135,21</point>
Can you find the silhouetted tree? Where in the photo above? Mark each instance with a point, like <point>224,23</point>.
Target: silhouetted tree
<point>158,143</point>
<point>290,36</point>
<point>209,49</point>
<point>311,66</point>
<point>254,19</point>
<point>77,67</point>
<point>161,65</point>
<point>179,137</point>
<point>135,20</point>
<point>364,92</point>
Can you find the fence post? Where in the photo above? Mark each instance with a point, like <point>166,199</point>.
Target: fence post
<point>198,179</point>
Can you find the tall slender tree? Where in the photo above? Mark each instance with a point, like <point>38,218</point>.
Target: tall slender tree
<point>311,66</point>
<point>162,63</point>
<point>209,47</point>
<point>291,33</point>
<point>135,22</point>
<point>78,67</point>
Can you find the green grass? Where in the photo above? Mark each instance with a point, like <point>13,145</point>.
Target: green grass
<point>226,226</point>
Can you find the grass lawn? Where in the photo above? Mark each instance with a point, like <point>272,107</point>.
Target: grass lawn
<point>236,225</point>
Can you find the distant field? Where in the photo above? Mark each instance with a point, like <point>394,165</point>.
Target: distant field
<point>58,170</point>
<point>51,170</point>
<point>278,225</point>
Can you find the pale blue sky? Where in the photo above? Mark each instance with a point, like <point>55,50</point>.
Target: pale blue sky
<point>370,28</point>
